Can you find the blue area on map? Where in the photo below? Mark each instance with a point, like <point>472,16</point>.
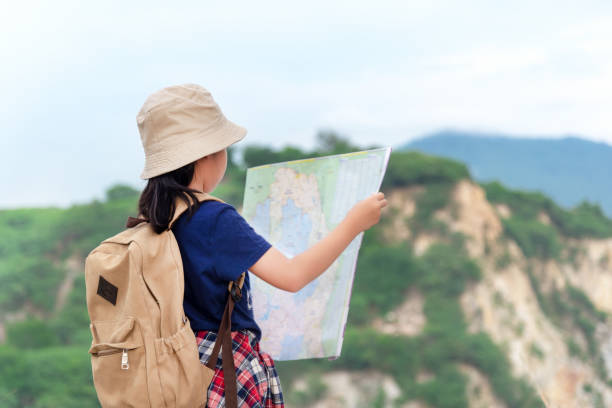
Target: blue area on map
<point>271,307</point>
<point>290,345</point>
<point>305,292</point>
<point>261,221</point>
<point>296,228</point>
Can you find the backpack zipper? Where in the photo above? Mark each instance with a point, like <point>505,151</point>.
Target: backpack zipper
<point>124,356</point>
<point>124,360</point>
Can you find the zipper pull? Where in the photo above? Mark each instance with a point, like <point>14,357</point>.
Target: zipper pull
<point>124,360</point>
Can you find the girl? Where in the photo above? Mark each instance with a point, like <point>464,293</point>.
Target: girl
<point>185,138</point>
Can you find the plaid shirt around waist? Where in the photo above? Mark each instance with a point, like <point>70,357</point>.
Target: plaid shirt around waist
<point>258,382</point>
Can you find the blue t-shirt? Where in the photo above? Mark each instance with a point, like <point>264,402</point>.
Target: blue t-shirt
<point>217,245</point>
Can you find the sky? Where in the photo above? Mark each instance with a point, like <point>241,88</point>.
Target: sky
<point>74,74</point>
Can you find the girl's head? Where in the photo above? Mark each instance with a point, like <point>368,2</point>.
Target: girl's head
<point>185,138</point>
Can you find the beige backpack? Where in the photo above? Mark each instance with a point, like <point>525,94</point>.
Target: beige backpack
<point>143,351</point>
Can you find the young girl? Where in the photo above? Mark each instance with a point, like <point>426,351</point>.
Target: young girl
<point>185,138</point>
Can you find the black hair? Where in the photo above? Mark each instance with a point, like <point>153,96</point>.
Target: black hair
<point>157,200</point>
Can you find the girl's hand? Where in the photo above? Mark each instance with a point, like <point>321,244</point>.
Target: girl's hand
<point>366,212</point>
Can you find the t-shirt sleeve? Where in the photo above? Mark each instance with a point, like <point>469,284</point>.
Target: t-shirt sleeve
<point>236,245</point>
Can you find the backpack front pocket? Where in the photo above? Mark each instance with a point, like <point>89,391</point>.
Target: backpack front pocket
<point>118,363</point>
<point>179,366</point>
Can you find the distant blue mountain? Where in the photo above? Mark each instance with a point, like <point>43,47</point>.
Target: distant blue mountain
<point>569,170</point>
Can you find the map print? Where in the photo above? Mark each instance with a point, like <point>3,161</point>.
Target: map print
<point>293,205</point>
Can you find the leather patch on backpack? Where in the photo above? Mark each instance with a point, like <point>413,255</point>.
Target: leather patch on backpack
<point>107,290</point>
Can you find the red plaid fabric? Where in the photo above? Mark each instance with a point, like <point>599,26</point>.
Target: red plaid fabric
<point>258,382</point>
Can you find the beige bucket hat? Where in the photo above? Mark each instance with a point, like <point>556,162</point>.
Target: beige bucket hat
<point>180,124</point>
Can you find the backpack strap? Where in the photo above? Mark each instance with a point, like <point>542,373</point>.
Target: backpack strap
<point>181,206</point>
<point>232,285</point>
<point>224,337</point>
<point>132,222</point>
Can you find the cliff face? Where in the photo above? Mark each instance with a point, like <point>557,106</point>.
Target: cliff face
<point>504,304</point>
<point>514,303</point>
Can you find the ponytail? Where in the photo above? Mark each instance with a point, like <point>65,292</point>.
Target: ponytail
<point>157,200</point>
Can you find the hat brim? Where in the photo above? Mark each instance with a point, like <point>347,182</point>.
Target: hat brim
<point>197,147</point>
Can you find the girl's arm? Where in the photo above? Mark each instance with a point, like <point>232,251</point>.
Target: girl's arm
<point>295,273</point>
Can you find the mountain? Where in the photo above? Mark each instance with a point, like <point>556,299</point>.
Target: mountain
<point>465,295</point>
<point>569,170</point>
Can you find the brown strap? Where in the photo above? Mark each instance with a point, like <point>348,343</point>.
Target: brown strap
<point>229,370</point>
<point>212,361</point>
<point>224,337</point>
<point>132,222</point>
<point>240,282</point>
<point>225,322</point>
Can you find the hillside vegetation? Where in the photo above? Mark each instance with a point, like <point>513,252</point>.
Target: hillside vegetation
<point>44,325</point>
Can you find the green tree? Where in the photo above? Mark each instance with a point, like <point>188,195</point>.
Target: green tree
<point>121,191</point>
<point>31,333</point>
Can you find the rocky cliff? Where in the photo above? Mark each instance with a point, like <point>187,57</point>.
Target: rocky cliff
<point>549,315</point>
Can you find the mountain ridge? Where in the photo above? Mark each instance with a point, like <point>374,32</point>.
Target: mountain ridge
<point>570,169</point>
